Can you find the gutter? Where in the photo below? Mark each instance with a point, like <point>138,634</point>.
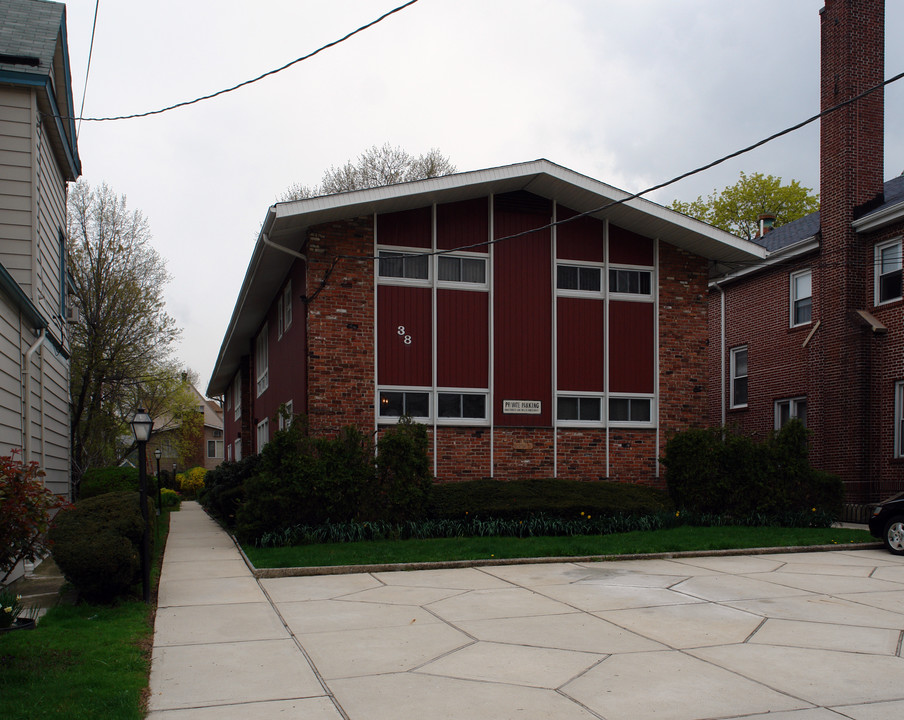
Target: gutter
<point>789,253</point>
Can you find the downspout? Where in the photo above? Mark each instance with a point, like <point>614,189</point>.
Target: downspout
<point>26,373</point>
<point>722,351</point>
<point>269,243</point>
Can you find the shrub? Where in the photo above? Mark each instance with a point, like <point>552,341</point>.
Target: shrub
<point>96,544</point>
<point>403,479</point>
<point>224,488</point>
<point>733,475</point>
<point>25,511</point>
<point>169,498</point>
<point>191,482</point>
<point>98,481</point>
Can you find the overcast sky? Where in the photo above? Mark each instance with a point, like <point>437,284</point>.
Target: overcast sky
<point>630,92</point>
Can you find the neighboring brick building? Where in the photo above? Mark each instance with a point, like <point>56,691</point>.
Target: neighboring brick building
<point>816,330</point>
<point>533,343</point>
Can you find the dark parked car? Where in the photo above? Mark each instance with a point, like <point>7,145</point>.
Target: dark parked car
<point>887,523</point>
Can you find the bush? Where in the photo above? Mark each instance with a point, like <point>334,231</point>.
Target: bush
<point>565,499</point>
<point>191,482</point>
<point>733,475</point>
<point>224,488</point>
<point>169,498</point>
<point>98,481</point>
<point>403,480</point>
<point>96,544</point>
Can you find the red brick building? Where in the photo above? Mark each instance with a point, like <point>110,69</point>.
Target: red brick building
<point>816,330</point>
<point>532,339</point>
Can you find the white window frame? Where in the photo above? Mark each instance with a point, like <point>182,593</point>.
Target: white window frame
<point>878,274</point>
<point>793,404</point>
<point>579,264</point>
<point>464,284</point>
<point>229,452</point>
<point>262,360</point>
<point>733,376</point>
<point>217,449</point>
<point>899,419</point>
<point>286,420</point>
<point>391,280</point>
<point>287,306</point>
<point>279,318</point>
<point>463,420</point>
<point>238,449</point>
<point>634,297</point>
<point>263,433</point>
<point>237,396</point>
<point>632,423</point>
<point>581,396</point>
<point>390,419</point>
<point>794,299</point>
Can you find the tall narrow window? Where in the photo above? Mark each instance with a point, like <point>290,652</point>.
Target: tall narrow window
<point>888,272</point>
<point>237,396</point>
<point>287,306</point>
<point>261,359</point>
<point>801,297</point>
<point>739,377</point>
<point>899,419</point>
<point>263,433</point>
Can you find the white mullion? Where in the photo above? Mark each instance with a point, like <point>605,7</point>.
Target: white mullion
<point>434,273</point>
<point>376,255</point>
<point>555,345</point>
<point>606,337</point>
<point>655,290</point>
<point>491,251</point>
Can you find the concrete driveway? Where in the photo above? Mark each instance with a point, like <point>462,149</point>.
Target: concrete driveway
<point>794,636</point>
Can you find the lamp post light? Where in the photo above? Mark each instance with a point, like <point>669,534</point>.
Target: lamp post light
<point>157,453</point>
<point>141,426</point>
<point>175,484</point>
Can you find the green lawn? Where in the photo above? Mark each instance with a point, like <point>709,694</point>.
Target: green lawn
<point>684,538</point>
<point>82,661</point>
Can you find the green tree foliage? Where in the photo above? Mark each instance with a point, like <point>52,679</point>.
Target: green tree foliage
<point>375,167</point>
<point>736,208</point>
<point>123,342</point>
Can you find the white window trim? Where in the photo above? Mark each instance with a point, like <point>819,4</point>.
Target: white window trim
<point>485,420</point>
<point>263,433</point>
<point>633,423</point>
<point>287,306</point>
<point>877,270</point>
<point>217,448</point>
<point>285,420</point>
<point>237,396</point>
<point>415,282</point>
<point>461,284</point>
<point>581,423</point>
<point>238,450</point>
<point>262,360</point>
<point>633,297</point>
<point>794,299</point>
<point>732,377</point>
<point>279,317</point>
<point>568,292</point>
<point>899,419</point>
<point>385,420</point>
<point>793,401</point>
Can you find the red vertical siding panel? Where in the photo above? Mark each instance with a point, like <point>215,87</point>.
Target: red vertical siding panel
<point>580,239</point>
<point>629,248</point>
<point>409,228</point>
<point>461,224</point>
<point>462,339</point>
<point>631,347</point>
<point>400,362</point>
<point>287,354</point>
<point>580,344</point>
<point>522,309</point>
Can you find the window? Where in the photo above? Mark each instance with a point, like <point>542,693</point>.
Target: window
<point>261,361</point>
<point>630,410</point>
<point>579,278</point>
<point>238,449</point>
<point>631,282</point>
<point>571,408</point>
<point>287,306</point>
<point>801,297</point>
<point>217,433</point>
<point>285,415</point>
<point>888,272</point>
<point>237,396</point>
<point>395,403</point>
<point>786,410</point>
<point>263,433</point>
<point>459,405</point>
<point>229,452</point>
<point>214,448</point>
<point>455,269</point>
<point>899,419</point>
<point>279,318</point>
<point>739,377</point>
<point>404,265</point>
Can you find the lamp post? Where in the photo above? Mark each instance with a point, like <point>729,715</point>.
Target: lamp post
<point>141,426</point>
<point>175,484</point>
<point>157,453</point>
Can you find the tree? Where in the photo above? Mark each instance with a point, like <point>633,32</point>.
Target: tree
<point>375,167</point>
<point>123,341</point>
<point>737,208</point>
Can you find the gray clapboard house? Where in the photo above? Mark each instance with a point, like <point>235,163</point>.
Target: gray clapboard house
<point>38,157</point>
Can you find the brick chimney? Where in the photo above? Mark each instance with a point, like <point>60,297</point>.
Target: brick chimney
<point>851,170</point>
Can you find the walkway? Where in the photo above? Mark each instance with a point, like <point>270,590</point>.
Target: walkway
<point>809,636</point>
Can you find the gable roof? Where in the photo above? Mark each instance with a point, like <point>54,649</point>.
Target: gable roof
<point>34,52</point>
<point>286,225</point>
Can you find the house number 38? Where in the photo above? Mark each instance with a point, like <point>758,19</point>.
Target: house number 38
<point>405,338</point>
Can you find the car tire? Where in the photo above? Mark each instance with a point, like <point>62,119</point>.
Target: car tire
<point>893,537</point>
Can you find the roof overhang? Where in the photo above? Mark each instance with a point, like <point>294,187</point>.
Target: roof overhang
<point>880,218</point>
<point>784,255</point>
<point>287,223</point>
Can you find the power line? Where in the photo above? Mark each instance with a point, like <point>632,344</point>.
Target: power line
<point>81,110</point>
<point>252,80</point>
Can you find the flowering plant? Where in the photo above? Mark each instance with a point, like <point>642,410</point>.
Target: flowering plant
<point>10,608</point>
<point>26,508</point>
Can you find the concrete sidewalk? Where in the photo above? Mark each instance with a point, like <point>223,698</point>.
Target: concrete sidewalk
<point>803,636</point>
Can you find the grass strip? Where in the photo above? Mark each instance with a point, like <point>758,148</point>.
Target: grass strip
<point>82,662</point>
<point>683,538</point>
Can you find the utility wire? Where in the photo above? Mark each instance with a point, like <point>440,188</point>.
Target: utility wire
<point>256,79</point>
<point>81,110</point>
